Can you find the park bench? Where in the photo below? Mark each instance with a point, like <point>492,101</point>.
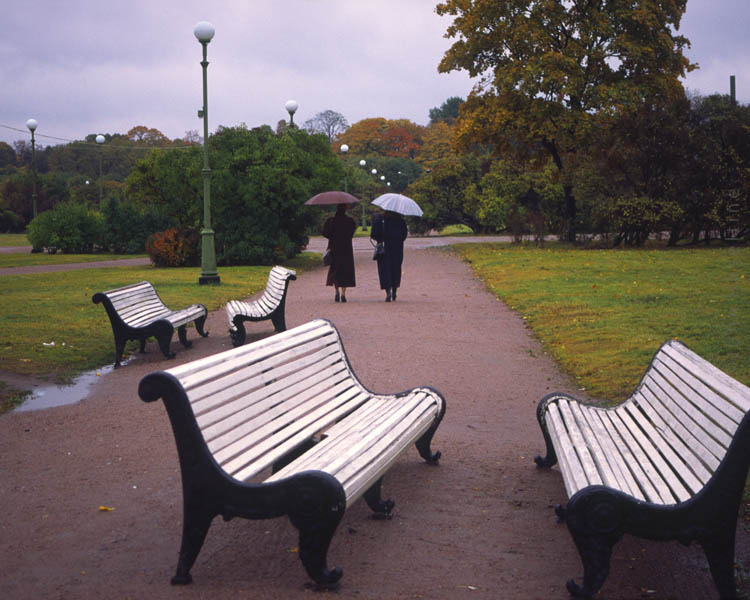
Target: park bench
<point>669,463</point>
<point>136,313</point>
<point>282,426</point>
<point>269,306</point>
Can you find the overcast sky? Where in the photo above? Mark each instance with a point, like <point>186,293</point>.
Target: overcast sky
<point>104,66</point>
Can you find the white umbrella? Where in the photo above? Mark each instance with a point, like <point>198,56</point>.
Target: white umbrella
<point>398,203</point>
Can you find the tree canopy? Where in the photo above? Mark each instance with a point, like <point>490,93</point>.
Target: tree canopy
<point>550,69</point>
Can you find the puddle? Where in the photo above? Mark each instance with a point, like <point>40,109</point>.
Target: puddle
<point>48,396</point>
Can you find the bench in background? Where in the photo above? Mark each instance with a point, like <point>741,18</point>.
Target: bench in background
<point>271,305</point>
<point>282,426</point>
<point>136,313</point>
<point>669,463</point>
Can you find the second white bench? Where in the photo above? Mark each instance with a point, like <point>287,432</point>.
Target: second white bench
<point>271,305</point>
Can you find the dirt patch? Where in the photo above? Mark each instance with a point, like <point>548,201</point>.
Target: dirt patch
<point>479,525</point>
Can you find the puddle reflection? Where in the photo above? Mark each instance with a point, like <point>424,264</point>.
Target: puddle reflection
<point>48,396</point>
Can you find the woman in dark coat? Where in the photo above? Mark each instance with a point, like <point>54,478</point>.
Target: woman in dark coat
<point>391,230</point>
<point>339,230</point>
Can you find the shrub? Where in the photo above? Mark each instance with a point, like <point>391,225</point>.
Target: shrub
<point>69,227</point>
<point>126,227</point>
<point>174,247</point>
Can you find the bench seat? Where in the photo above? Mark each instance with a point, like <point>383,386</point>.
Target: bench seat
<point>283,426</point>
<point>136,313</point>
<point>271,305</point>
<point>668,463</point>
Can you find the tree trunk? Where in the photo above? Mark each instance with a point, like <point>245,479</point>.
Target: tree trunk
<point>569,207</point>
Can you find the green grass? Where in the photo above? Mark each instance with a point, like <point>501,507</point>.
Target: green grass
<point>603,313</point>
<point>22,259</point>
<point>456,230</point>
<point>13,239</point>
<point>42,308</point>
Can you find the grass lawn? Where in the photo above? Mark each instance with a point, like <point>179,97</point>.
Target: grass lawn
<point>14,239</point>
<point>42,308</point>
<point>22,259</point>
<point>603,313</point>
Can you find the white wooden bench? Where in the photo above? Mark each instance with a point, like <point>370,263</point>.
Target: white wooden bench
<point>669,463</point>
<point>282,426</point>
<point>270,305</point>
<point>136,313</point>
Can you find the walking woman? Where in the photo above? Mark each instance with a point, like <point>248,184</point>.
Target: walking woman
<point>339,230</point>
<point>391,230</point>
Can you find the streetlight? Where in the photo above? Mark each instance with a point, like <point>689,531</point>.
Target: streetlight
<point>291,107</point>
<point>344,149</point>
<point>32,125</point>
<point>204,32</point>
<point>100,141</point>
<point>363,164</point>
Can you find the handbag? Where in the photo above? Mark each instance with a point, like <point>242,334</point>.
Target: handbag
<point>379,251</point>
<point>327,257</point>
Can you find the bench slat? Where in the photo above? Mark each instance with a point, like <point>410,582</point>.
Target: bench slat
<point>304,429</point>
<point>359,477</point>
<point>580,446</point>
<point>351,436</point>
<point>592,431</point>
<point>231,391</point>
<point>701,402</point>
<point>692,418</point>
<point>359,460</point>
<point>216,367</point>
<point>226,441</point>
<point>573,475</point>
<point>345,438</point>
<point>730,388</point>
<point>656,451</point>
<point>685,445</point>
<point>629,462</point>
<point>719,402</point>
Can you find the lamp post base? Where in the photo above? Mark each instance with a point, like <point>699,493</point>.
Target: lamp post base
<point>209,273</point>
<point>209,280</point>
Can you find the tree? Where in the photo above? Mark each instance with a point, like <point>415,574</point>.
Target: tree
<point>259,184</point>
<point>549,69</point>
<point>7,156</point>
<point>148,137</point>
<point>437,146</point>
<point>329,122</point>
<point>447,193</point>
<point>447,112</point>
<point>397,138</point>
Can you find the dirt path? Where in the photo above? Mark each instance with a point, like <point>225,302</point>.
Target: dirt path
<point>480,525</point>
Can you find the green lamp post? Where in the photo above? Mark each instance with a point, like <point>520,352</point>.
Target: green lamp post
<point>363,164</point>
<point>204,31</point>
<point>100,141</point>
<point>32,125</point>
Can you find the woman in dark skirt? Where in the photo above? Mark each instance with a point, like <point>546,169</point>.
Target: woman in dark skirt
<point>391,230</point>
<point>339,230</point>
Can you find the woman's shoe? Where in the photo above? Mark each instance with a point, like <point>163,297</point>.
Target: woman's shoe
<point>393,295</point>
<point>387,297</point>
<point>336,298</point>
<point>343,298</point>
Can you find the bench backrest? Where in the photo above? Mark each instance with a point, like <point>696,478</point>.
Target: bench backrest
<point>276,285</point>
<point>695,407</point>
<point>137,304</point>
<point>257,403</point>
